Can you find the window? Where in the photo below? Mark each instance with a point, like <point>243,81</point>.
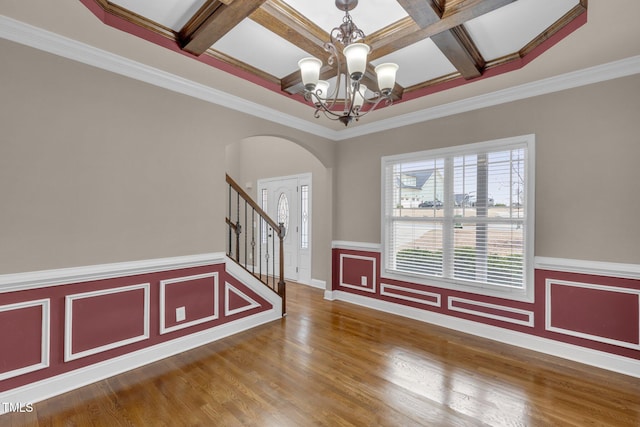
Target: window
<point>304,217</point>
<point>462,217</point>
<point>283,212</point>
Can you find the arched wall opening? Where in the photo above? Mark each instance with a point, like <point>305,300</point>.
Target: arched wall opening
<point>263,157</point>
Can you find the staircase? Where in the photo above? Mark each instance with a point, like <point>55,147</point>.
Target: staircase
<point>255,241</point>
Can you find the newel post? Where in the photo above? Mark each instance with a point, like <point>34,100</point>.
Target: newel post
<point>281,283</point>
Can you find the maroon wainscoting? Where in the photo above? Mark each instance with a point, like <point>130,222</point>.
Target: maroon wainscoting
<point>104,319</point>
<point>197,295</point>
<point>492,311</point>
<point>607,314</point>
<point>22,340</point>
<point>414,295</point>
<point>241,301</point>
<point>358,271</point>
<point>596,312</point>
<point>107,318</point>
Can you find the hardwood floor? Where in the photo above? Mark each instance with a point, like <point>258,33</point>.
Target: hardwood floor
<point>337,364</point>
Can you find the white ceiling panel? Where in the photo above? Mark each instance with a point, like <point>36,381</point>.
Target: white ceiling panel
<point>170,13</point>
<point>419,62</point>
<point>253,44</point>
<point>512,27</point>
<point>369,15</point>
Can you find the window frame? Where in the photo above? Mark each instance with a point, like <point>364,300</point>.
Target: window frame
<point>526,293</point>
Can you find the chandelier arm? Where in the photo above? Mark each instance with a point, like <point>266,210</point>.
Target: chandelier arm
<point>331,115</point>
<point>334,58</point>
<point>321,106</point>
<point>387,99</point>
<point>350,97</point>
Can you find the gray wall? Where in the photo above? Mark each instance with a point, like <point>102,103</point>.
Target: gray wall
<point>98,168</point>
<point>587,174</point>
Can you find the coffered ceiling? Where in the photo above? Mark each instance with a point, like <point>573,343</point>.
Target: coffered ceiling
<point>454,55</point>
<point>438,44</point>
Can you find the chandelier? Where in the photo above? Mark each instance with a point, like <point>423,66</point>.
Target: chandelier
<point>346,41</point>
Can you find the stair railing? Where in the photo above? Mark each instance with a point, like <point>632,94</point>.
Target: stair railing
<point>252,240</point>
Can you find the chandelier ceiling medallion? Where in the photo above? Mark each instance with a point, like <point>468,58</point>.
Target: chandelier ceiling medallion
<point>346,40</point>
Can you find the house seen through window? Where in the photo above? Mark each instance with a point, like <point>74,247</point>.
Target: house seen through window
<point>462,217</point>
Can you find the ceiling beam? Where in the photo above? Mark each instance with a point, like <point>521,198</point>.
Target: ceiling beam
<point>445,29</point>
<point>214,19</point>
<point>430,21</point>
<point>293,82</point>
<point>463,11</point>
<point>460,50</point>
<point>423,12</point>
<point>281,19</point>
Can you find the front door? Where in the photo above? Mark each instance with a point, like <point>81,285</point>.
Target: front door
<point>282,208</point>
<point>286,200</point>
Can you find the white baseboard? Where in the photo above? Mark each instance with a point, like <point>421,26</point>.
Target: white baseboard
<point>50,387</point>
<point>587,356</point>
<point>319,284</point>
<point>330,295</point>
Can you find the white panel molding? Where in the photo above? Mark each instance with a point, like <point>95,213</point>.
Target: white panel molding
<point>65,276</point>
<point>56,44</point>
<point>257,286</point>
<point>595,268</point>
<point>587,356</point>
<point>45,337</point>
<point>372,289</point>
<point>228,287</point>
<point>530,317</point>
<point>163,286</point>
<point>68,321</point>
<point>548,307</point>
<point>50,387</point>
<point>384,291</point>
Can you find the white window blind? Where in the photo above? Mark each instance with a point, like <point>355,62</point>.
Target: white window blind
<point>461,216</point>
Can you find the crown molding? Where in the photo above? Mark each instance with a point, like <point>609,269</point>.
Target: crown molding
<point>56,44</point>
<point>28,35</point>
<point>587,76</point>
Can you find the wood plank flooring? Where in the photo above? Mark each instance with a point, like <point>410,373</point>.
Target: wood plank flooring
<point>337,364</point>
